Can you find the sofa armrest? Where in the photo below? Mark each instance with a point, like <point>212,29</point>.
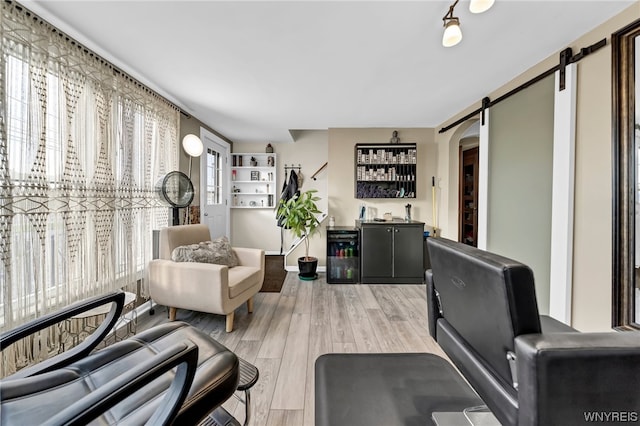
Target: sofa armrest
<point>202,287</point>
<point>250,257</point>
<point>572,378</point>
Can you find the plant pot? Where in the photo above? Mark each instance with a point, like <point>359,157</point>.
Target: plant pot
<point>308,267</point>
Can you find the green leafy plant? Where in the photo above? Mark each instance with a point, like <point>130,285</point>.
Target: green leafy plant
<point>298,214</point>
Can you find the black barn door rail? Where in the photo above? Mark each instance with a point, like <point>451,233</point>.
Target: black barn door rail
<point>566,57</point>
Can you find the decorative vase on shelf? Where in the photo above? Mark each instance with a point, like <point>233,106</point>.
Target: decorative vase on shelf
<point>269,149</point>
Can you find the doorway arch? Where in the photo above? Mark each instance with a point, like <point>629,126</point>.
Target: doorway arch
<point>450,202</point>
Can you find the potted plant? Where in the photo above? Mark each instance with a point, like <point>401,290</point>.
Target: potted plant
<point>298,214</point>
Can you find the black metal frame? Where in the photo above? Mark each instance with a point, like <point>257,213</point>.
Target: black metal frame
<point>624,177</point>
<point>78,352</point>
<point>407,168</point>
<point>566,58</point>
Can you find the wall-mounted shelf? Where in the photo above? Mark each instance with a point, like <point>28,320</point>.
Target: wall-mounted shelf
<point>253,180</point>
<point>385,170</point>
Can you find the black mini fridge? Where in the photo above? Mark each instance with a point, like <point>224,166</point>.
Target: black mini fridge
<point>343,255</point>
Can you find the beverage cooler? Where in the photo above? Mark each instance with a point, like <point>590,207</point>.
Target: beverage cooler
<point>343,255</point>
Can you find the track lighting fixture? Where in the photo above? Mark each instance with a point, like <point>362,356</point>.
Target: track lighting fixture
<point>479,6</point>
<point>452,33</point>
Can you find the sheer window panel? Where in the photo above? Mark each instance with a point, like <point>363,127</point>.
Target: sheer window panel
<point>84,148</point>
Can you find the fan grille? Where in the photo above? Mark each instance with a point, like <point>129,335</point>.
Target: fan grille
<point>176,189</point>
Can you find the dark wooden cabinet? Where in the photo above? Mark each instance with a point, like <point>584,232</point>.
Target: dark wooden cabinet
<point>378,254</point>
<point>391,252</point>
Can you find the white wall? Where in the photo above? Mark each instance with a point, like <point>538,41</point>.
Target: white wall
<point>342,202</point>
<point>335,184</point>
<point>258,228</point>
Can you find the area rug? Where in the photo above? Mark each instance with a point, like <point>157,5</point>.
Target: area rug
<point>274,274</point>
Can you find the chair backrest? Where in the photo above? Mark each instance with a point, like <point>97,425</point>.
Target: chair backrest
<point>487,298</point>
<point>180,235</point>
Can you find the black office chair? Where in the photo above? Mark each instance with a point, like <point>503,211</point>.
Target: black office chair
<point>171,373</point>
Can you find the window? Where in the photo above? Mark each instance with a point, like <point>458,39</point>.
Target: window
<point>214,178</point>
<point>626,178</point>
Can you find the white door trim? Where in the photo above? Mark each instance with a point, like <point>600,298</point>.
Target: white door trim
<point>483,180</point>
<point>226,148</point>
<point>562,201</point>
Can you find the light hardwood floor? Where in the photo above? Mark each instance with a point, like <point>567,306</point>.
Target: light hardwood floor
<point>289,330</point>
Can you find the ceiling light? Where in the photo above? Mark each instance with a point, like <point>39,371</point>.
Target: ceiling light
<point>452,33</point>
<point>479,6</point>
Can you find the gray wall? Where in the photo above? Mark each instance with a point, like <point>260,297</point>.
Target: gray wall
<point>520,179</point>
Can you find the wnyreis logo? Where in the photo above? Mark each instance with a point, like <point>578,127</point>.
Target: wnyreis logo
<point>611,416</point>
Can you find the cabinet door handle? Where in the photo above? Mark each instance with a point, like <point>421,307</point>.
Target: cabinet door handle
<point>388,229</point>
<point>397,230</point>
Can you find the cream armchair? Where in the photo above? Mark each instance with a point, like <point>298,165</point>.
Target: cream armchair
<point>203,287</point>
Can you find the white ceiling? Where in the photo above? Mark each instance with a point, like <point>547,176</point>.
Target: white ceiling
<point>256,70</point>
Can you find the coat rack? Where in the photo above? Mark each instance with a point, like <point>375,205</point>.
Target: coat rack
<point>292,167</point>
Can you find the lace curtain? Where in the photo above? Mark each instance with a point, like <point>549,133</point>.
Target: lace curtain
<point>82,146</point>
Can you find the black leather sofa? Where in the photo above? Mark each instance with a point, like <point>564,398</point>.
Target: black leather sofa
<point>528,369</point>
<point>169,374</point>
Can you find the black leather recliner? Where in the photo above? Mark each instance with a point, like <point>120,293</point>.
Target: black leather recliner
<point>529,369</point>
<point>134,381</point>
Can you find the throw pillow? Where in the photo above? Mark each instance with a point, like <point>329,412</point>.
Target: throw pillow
<point>199,253</point>
<point>218,251</point>
<point>223,252</point>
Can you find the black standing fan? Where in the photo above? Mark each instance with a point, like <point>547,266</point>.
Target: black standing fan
<point>176,189</point>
